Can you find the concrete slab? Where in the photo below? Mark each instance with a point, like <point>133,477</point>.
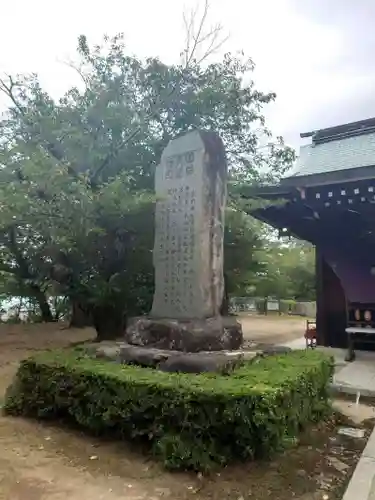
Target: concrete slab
<point>357,376</point>
<point>369,451</point>
<point>362,483</point>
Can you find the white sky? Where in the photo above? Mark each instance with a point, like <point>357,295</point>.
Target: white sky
<point>300,52</point>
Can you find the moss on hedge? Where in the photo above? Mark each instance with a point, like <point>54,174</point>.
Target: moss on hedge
<point>190,421</point>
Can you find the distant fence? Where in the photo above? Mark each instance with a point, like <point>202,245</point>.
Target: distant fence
<point>24,310</point>
<point>262,305</point>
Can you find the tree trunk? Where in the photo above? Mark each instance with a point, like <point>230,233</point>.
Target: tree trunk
<point>45,310</point>
<point>80,317</point>
<point>224,309</point>
<point>109,322</point>
<point>25,274</point>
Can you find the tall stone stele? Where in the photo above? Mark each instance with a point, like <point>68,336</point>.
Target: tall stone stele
<point>191,189</point>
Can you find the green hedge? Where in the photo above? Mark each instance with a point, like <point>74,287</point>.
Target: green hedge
<point>190,421</point>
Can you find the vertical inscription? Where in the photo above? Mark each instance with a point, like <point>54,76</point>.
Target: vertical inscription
<point>190,185</point>
<point>175,234</point>
<point>179,166</point>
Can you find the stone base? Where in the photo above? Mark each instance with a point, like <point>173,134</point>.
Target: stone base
<point>223,362</point>
<point>272,350</point>
<point>211,334</point>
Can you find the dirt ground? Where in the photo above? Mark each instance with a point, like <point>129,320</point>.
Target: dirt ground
<point>272,329</point>
<point>39,461</point>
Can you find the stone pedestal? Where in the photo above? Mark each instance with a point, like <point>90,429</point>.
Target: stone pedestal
<point>188,255</point>
<point>212,334</point>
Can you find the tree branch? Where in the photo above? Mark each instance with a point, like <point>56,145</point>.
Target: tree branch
<point>53,150</point>
<point>194,40</point>
<point>197,38</point>
<point>78,70</point>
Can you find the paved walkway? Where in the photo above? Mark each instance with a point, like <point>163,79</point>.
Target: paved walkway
<point>356,377</point>
<point>350,378</point>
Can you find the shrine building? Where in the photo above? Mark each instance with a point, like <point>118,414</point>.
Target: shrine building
<point>329,201</point>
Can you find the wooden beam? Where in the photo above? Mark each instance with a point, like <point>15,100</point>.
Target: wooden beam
<point>322,179</point>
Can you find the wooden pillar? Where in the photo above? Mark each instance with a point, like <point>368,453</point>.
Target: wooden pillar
<point>331,306</point>
<point>320,309</point>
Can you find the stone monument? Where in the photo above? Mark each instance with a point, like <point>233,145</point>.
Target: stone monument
<point>191,190</point>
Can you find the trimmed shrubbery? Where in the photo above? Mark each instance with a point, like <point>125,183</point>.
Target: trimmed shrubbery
<point>190,421</point>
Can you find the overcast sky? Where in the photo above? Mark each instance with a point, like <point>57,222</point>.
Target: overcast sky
<point>317,55</point>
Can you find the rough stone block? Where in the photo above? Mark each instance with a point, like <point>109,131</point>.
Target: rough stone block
<point>201,363</point>
<point>143,356</point>
<point>105,350</point>
<point>272,350</point>
<point>212,334</point>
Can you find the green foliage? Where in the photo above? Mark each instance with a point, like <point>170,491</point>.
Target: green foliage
<point>288,271</point>
<point>19,271</point>
<point>77,182</point>
<point>77,176</point>
<point>190,421</point>
<point>242,252</point>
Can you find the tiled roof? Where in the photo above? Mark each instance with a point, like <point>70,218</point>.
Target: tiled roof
<point>336,155</point>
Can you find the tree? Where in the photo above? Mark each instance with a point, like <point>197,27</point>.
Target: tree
<point>242,252</point>
<point>20,273</point>
<point>77,181</point>
<point>288,272</point>
<point>300,269</point>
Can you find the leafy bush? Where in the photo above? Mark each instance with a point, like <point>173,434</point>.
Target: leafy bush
<point>190,421</point>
